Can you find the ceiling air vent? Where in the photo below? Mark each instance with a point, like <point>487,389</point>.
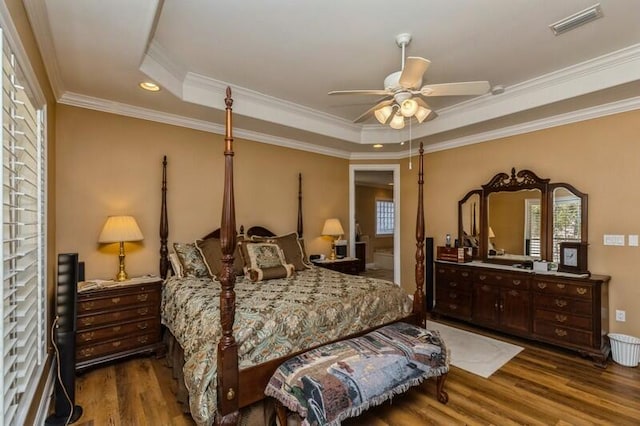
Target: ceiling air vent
<point>577,19</point>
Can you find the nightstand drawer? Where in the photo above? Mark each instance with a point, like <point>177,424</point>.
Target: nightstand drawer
<point>116,301</point>
<point>98,319</point>
<point>117,345</point>
<point>94,335</point>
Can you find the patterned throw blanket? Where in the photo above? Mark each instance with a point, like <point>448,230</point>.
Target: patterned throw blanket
<point>273,319</point>
<point>340,380</point>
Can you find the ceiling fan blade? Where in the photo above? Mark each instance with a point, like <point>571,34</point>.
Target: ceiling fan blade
<point>422,103</point>
<point>371,110</point>
<point>467,88</point>
<point>361,92</point>
<point>414,69</point>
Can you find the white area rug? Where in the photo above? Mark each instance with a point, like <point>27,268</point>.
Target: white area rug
<point>475,353</point>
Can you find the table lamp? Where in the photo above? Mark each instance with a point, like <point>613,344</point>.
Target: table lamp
<point>333,228</point>
<point>120,229</point>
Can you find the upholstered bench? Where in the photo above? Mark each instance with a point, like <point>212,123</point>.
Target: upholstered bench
<point>339,380</point>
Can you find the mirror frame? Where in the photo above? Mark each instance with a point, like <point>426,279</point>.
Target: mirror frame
<point>478,192</point>
<point>522,180</point>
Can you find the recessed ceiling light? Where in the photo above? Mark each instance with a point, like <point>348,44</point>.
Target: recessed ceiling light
<point>377,146</point>
<point>150,86</point>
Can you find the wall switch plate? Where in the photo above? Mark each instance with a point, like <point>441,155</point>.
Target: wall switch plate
<point>621,316</point>
<point>613,240</point>
<point>633,240</point>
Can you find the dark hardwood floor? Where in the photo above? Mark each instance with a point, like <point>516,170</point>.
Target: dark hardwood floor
<point>540,386</point>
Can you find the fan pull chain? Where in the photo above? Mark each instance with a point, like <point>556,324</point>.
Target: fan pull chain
<point>410,150</point>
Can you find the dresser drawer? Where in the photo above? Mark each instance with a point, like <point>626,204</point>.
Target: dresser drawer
<point>453,296</point>
<point>108,302</point>
<point>563,304</point>
<point>117,345</point>
<point>454,308</point>
<point>562,334</point>
<point>98,319</point>
<point>564,319</point>
<point>564,289</point>
<point>94,335</point>
<point>502,280</point>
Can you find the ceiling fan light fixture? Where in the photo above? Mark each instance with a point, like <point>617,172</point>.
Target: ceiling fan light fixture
<point>408,107</point>
<point>383,114</point>
<point>397,122</point>
<point>422,113</point>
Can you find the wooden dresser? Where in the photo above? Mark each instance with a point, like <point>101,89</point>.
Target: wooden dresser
<point>567,311</point>
<point>118,321</point>
<point>347,265</point>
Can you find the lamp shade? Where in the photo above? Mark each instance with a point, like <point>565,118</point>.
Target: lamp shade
<point>332,227</point>
<point>408,107</point>
<point>422,113</point>
<point>383,114</point>
<point>120,228</point>
<point>491,234</point>
<point>397,122</point>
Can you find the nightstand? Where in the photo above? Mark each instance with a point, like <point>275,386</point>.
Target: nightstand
<point>117,319</point>
<point>347,265</point>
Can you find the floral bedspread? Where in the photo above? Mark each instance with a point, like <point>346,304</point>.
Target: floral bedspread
<point>273,318</point>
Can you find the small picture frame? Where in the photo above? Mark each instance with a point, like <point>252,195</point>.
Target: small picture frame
<point>573,257</point>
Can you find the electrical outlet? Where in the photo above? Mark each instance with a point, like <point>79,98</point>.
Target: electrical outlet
<point>621,316</point>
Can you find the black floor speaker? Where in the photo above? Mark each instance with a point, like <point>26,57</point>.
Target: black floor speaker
<point>64,337</point>
<point>428,276</point>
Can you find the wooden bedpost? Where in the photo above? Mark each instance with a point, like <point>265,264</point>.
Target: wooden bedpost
<point>227,385</point>
<point>164,224</point>
<point>418,296</point>
<point>300,227</point>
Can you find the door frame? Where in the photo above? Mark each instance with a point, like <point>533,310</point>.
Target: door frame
<point>395,168</point>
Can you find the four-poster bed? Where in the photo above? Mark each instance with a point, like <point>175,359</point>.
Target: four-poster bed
<point>240,382</point>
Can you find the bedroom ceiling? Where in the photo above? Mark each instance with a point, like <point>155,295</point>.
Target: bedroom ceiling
<point>281,58</point>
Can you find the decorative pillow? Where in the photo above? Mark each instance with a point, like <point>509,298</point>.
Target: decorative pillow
<point>292,248</point>
<point>263,274</point>
<point>175,265</point>
<point>262,255</point>
<point>211,251</point>
<point>192,263</point>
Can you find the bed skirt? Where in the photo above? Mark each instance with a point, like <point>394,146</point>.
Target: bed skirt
<point>258,414</point>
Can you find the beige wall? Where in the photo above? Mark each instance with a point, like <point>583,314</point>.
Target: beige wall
<point>109,164</point>
<point>600,157</point>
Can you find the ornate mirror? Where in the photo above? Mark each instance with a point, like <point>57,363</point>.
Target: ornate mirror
<point>520,217</point>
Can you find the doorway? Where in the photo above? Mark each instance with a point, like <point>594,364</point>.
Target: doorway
<point>378,187</point>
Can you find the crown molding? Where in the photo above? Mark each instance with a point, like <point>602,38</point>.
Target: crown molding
<point>37,13</point>
<point>97,104</point>
<point>159,66</point>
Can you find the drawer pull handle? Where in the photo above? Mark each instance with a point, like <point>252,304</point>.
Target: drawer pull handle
<point>513,293</point>
<point>453,295</point>
<point>560,332</point>
<point>542,285</point>
<point>142,297</point>
<point>230,395</point>
<point>87,321</point>
<point>441,271</point>
<point>143,325</point>
<point>501,307</point>
<point>560,285</point>
<point>560,303</point>
<point>485,288</point>
<point>116,344</point>
<point>87,351</point>
<point>87,305</point>
<point>482,277</point>
<point>116,328</point>
<point>465,274</point>
<point>143,339</point>
<point>495,305</point>
<point>498,277</point>
<point>143,311</point>
<point>453,284</point>
<point>581,290</point>
<point>561,318</point>
<point>517,282</point>
<point>115,300</point>
<point>453,307</point>
<point>86,337</point>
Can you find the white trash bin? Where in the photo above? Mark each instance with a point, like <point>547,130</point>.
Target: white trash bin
<point>625,350</point>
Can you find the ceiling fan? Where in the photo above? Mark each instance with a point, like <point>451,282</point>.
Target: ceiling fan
<point>403,94</point>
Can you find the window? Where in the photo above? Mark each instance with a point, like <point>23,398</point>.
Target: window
<point>23,234</point>
<point>385,217</point>
<point>532,227</point>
